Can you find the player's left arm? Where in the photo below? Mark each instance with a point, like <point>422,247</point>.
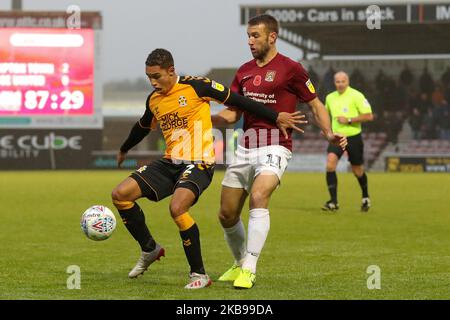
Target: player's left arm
<point>301,85</point>
<point>138,132</point>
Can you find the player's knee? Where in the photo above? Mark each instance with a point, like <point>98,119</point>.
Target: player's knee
<point>331,166</point>
<point>116,194</point>
<point>358,171</point>
<point>258,199</point>
<point>176,209</point>
<point>119,199</point>
<point>228,217</point>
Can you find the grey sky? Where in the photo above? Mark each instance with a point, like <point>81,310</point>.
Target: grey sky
<point>201,34</point>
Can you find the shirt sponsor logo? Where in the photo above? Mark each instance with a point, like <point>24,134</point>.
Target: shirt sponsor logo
<point>217,86</point>
<point>270,76</point>
<point>310,86</point>
<point>173,121</point>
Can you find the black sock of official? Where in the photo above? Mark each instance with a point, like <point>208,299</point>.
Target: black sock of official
<point>191,245</point>
<point>363,183</point>
<point>134,220</point>
<point>332,185</point>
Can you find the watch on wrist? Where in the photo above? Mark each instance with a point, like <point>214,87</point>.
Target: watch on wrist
<point>349,120</point>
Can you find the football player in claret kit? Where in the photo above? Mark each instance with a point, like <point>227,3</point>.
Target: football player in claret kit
<point>263,154</point>
<point>181,106</point>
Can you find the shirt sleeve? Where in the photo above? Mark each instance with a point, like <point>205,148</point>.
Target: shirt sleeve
<point>235,87</point>
<point>362,104</point>
<point>146,120</point>
<point>210,90</point>
<point>140,129</point>
<point>301,84</point>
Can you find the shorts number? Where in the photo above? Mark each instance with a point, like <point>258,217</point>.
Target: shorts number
<point>188,171</point>
<point>274,161</point>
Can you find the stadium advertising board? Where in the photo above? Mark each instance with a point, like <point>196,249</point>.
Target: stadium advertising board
<point>408,13</point>
<point>418,164</point>
<point>387,29</point>
<point>47,149</point>
<point>312,163</point>
<point>134,160</point>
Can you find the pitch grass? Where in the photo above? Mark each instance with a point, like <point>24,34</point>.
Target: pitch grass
<point>308,255</point>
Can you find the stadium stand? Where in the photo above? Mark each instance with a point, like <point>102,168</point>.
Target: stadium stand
<point>410,105</point>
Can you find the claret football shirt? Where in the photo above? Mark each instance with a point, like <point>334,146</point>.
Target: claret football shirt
<point>280,84</point>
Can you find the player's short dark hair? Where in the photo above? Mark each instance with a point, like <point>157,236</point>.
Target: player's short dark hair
<point>270,22</point>
<point>160,57</point>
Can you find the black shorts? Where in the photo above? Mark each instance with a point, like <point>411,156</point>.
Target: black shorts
<point>355,150</point>
<point>160,178</point>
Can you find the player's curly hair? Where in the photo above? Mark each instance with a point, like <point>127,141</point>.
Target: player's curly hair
<point>266,19</point>
<point>160,57</point>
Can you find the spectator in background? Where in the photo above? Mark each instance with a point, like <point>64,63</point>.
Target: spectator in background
<point>358,81</point>
<point>328,81</point>
<point>445,78</point>
<point>426,82</point>
<point>423,103</point>
<point>415,121</point>
<point>437,97</point>
<point>389,126</point>
<point>428,130</point>
<point>406,77</point>
<point>390,95</point>
<point>442,120</point>
<point>380,81</point>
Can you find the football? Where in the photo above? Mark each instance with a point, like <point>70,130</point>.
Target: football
<point>98,223</point>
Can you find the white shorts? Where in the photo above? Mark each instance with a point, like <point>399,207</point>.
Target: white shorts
<point>249,163</point>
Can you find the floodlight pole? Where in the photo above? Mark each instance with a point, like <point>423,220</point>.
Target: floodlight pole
<point>16,4</point>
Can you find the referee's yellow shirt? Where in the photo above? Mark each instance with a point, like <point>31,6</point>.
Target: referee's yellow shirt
<point>351,103</point>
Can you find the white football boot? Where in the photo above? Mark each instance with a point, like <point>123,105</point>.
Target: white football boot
<point>146,259</point>
<point>198,281</point>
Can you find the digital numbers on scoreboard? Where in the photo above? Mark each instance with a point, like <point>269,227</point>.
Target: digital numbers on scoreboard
<point>46,72</point>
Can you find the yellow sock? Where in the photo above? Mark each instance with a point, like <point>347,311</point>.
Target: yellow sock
<point>184,221</point>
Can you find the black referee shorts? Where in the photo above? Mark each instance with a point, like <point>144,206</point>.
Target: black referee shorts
<point>355,150</point>
<point>160,178</point>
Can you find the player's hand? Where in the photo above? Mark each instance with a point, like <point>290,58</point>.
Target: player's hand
<point>337,139</point>
<point>342,120</point>
<point>120,158</point>
<point>287,120</point>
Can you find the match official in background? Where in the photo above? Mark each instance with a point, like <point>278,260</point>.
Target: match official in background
<point>348,108</point>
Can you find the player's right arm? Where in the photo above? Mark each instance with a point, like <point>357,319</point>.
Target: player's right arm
<point>211,90</point>
<point>138,132</point>
<point>323,121</point>
<point>302,85</point>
